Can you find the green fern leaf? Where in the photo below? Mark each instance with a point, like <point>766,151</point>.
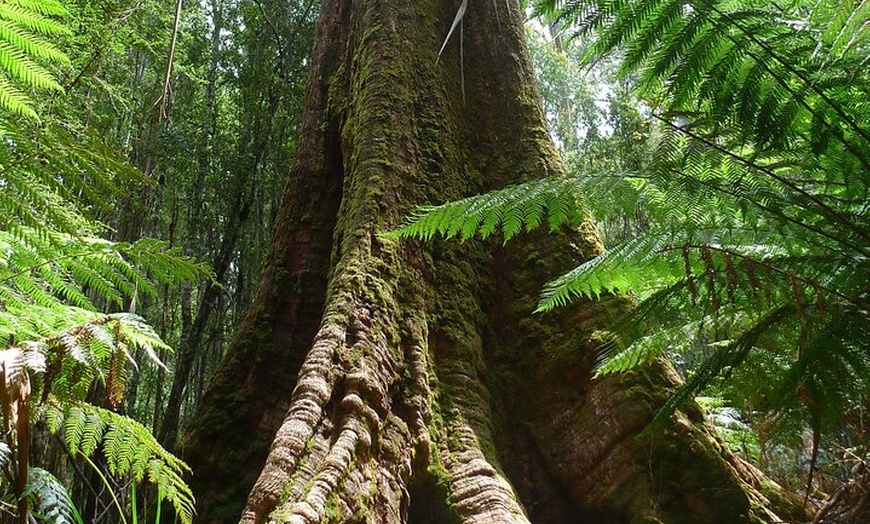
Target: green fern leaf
<point>36,21</point>
<point>129,449</point>
<point>17,65</point>
<point>49,499</point>
<point>43,7</point>
<point>30,45</point>
<point>514,209</point>
<point>24,24</point>
<point>14,100</point>
<point>74,428</point>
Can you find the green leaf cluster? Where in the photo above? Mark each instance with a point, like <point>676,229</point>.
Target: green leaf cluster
<point>129,449</point>
<point>25,28</point>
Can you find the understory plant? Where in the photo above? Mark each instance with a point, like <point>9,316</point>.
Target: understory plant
<point>58,277</point>
<point>751,271</point>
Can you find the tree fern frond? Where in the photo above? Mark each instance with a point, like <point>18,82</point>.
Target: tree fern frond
<point>667,20</point>
<point>100,347</point>
<point>134,332</point>
<point>23,27</point>
<point>129,449</point>
<point>630,344</point>
<point>49,499</point>
<point>14,99</point>
<point>43,7</point>
<point>49,270</point>
<point>83,431</point>
<point>636,265</point>
<point>17,65</point>
<point>759,184</point>
<point>159,262</point>
<point>513,209</point>
<point>662,43</point>
<point>116,379</point>
<point>80,164</point>
<point>35,21</point>
<point>844,29</point>
<point>725,356</point>
<point>74,427</point>
<point>29,44</point>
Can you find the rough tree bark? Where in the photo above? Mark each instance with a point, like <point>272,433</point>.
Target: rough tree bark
<point>390,382</point>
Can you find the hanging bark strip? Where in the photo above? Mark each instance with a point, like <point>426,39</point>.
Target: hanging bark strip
<point>389,382</point>
<point>165,101</point>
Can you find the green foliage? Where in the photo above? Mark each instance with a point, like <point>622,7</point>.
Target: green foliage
<point>52,165</point>
<point>754,251</point>
<point>759,183</point>
<point>512,209</point>
<point>24,26</point>
<point>128,448</point>
<point>49,499</point>
<point>58,273</point>
<point>53,264</point>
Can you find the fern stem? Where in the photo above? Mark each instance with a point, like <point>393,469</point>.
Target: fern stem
<point>93,59</point>
<point>159,504</point>
<point>794,276</point>
<point>133,504</point>
<point>108,487</point>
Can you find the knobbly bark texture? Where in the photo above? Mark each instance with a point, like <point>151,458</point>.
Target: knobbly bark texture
<point>389,382</point>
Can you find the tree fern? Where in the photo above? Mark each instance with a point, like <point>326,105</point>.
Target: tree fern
<point>58,273</point>
<point>98,349</point>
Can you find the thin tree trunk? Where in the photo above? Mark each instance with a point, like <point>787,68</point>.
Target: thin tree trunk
<point>191,331</point>
<point>256,142</point>
<point>388,382</point>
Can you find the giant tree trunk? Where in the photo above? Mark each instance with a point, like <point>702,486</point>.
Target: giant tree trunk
<point>404,382</point>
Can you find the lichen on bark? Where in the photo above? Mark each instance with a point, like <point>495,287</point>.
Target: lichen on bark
<point>394,382</point>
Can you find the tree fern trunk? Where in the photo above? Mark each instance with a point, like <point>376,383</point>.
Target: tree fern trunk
<point>386,382</point>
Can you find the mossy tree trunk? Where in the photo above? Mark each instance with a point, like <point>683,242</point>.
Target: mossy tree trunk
<point>390,382</point>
